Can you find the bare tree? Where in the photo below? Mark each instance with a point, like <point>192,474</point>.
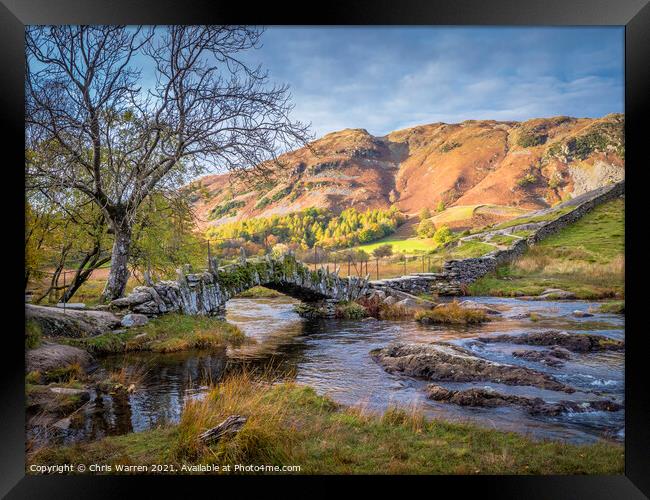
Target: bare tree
<point>104,131</point>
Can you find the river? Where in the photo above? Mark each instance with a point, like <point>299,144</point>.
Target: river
<point>333,357</point>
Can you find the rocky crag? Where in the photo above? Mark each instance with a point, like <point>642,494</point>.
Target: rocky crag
<point>530,165</point>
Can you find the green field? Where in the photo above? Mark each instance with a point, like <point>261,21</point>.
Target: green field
<point>401,245</point>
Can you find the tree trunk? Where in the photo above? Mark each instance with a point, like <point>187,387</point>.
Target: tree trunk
<point>119,273</point>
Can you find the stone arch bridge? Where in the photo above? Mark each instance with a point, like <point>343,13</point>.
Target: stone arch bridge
<point>206,293</point>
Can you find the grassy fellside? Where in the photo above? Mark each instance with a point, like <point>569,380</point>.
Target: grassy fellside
<point>535,218</point>
<point>290,424</point>
<point>586,258</point>
<point>168,333</point>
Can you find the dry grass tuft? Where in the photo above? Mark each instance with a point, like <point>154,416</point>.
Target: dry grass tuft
<point>452,313</point>
<point>376,308</point>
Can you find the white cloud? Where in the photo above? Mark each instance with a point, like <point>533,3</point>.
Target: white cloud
<point>383,79</point>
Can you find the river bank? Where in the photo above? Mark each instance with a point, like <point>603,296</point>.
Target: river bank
<point>290,424</point>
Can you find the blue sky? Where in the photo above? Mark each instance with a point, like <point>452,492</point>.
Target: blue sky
<point>388,78</point>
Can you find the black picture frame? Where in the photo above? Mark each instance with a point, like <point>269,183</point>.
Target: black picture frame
<point>633,14</point>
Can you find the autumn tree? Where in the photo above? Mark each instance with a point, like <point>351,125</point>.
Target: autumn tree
<point>443,236</point>
<point>424,214</point>
<point>63,234</point>
<point>426,229</point>
<point>116,138</point>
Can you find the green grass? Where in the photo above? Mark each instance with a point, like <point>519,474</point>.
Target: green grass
<point>410,245</point>
<point>350,310</point>
<point>33,334</point>
<point>289,424</point>
<point>451,313</point>
<point>586,257</point>
<point>65,375</point>
<point>600,233</point>
<point>617,307</point>
<point>168,333</point>
<point>258,292</point>
<point>470,249</point>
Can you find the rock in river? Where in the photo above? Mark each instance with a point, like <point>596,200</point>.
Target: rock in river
<point>489,398</point>
<point>447,362</point>
<point>470,304</point>
<point>556,294</point>
<point>576,342</point>
<point>551,357</point>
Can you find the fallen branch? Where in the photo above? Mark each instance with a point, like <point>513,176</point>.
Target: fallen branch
<point>232,425</point>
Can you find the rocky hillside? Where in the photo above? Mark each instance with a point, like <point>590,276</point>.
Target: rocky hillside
<point>529,165</point>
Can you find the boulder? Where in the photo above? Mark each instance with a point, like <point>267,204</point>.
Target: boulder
<point>56,322</point>
<point>410,303</point>
<point>134,320</point>
<point>71,305</point>
<point>390,300</point>
<point>552,357</point>
<point>150,308</point>
<point>447,362</point>
<point>50,356</point>
<point>469,304</point>
<point>132,299</point>
<point>69,391</point>
<point>556,294</point>
<point>517,313</point>
<point>582,314</point>
<point>576,342</point>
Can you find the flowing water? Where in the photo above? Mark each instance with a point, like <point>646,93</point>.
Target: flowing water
<point>333,357</point>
